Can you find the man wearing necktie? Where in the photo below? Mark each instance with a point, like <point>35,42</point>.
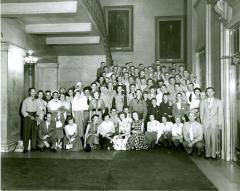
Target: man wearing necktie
<point>47,133</point>
<point>193,135</point>
<point>211,115</point>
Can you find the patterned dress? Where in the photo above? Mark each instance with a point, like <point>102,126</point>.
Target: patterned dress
<point>120,140</point>
<point>91,137</point>
<point>136,140</point>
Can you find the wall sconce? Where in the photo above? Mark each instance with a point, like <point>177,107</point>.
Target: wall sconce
<point>30,59</point>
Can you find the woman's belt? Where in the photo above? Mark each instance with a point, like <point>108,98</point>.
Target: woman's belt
<point>96,109</point>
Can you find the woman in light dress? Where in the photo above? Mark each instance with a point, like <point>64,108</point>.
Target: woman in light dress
<point>71,141</point>
<point>123,132</point>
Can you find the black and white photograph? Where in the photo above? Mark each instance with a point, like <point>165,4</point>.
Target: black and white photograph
<point>120,95</point>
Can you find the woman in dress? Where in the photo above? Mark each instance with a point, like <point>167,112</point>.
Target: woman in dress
<point>71,140</point>
<point>153,132</point>
<point>91,137</point>
<point>63,111</point>
<point>96,106</point>
<point>137,138</point>
<point>111,92</point>
<point>122,133</point>
<point>41,106</point>
<point>77,112</point>
<point>119,101</point>
<point>177,133</point>
<point>106,132</point>
<point>64,108</point>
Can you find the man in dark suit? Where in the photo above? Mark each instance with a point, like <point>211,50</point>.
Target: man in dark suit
<point>154,109</point>
<point>47,134</point>
<point>166,108</point>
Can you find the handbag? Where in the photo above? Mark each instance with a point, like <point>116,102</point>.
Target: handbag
<point>69,146</point>
<point>19,148</point>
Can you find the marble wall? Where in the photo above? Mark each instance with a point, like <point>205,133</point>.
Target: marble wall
<point>46,76</point>
<point>78,68</point>
<point>14,45</point>
<point>12,86</point>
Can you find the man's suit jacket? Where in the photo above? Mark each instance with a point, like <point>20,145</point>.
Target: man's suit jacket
<point>42,130</point>
<point>211,117</point>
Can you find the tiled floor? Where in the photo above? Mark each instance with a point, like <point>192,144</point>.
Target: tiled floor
<point>98,154</point>
<point>224,175</point>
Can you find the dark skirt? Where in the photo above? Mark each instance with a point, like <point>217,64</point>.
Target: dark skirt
<point>105,142</point>
<point>76,144</point>
<point>59,132</point>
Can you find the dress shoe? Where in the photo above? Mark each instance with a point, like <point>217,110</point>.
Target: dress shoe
<point>214,158</point>
<point>207,158</point>
<point>34,149</point>
<point>25,151</point>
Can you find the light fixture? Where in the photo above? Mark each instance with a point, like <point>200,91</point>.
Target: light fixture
<point>30,59</point>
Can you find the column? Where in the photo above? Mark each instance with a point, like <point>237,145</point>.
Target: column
<point>12,87</point>
<point>208,44</point>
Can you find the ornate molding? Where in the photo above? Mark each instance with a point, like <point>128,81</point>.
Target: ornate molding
<point>211,1</point>
<point>219,8</point>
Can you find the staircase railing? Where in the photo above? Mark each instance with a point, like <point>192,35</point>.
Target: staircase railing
<point>96,12</point>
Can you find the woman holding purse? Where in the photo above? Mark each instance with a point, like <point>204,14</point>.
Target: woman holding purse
<point>71,140</point>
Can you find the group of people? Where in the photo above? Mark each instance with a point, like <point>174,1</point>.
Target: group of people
<point>126,108</point>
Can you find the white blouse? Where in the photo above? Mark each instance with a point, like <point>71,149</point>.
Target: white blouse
<point>177,129</point>
<point>106,127</point>
<point>166,127</point>
<point>54,105</point>
<point>71,129</point>
<point>153,126</point>
<point>79,104</point>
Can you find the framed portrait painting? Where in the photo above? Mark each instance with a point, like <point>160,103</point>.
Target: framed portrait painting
<point>119,21</point>
<point>169,38</point>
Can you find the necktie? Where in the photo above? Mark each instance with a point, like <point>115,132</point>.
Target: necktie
<point>209,102</point>
<point>191,133</point>
<point>88,101</point>
<point>47,126</point>
<point>96,105</point>
<point>190,97</point>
